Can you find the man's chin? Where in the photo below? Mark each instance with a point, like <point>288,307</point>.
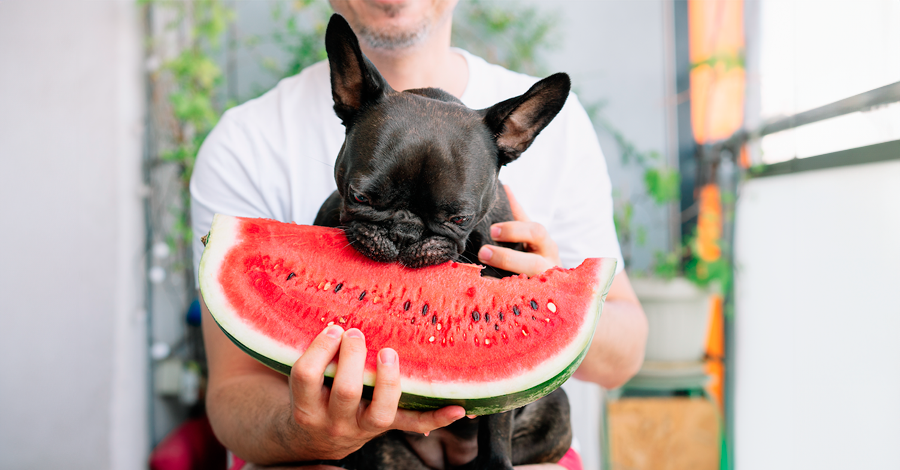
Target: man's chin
<point>394,39</point>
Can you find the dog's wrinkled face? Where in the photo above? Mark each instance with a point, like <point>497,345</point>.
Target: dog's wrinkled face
<point>417,173</point>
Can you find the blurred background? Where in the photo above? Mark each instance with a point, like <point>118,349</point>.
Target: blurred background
<point>754,149</point>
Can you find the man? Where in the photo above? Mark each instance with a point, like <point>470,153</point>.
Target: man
<point>273,157</point>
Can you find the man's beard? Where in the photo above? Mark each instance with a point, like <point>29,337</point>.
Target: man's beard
<point>395,40</point>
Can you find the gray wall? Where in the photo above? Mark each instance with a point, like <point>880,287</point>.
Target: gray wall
<point>72,391</point>
<point>615,52</point>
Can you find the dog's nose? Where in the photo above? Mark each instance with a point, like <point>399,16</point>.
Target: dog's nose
<point>405,234</point>
<point>406,230</point>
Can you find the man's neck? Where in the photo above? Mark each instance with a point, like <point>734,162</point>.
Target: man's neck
<point>430,64</point>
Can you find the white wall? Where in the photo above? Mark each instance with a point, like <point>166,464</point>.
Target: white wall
<point>72,392</point>
<point>817,319</point>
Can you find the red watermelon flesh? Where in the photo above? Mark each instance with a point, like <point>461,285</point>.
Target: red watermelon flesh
<point>488,344</point>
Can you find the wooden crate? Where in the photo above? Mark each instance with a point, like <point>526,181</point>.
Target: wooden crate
<point>670,433</point>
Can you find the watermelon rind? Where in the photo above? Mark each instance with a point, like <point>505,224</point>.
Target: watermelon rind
<point>476,398</point>
<point>473,406</point>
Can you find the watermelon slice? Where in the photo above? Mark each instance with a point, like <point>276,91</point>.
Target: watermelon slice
<point>489,345</point>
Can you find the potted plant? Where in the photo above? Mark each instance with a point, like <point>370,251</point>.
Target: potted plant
<point>676,290</point>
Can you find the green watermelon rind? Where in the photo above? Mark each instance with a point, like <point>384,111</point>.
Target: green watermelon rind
<point>473,406</point>
<point>471,396</point>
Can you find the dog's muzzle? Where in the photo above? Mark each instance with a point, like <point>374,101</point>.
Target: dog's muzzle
<point>406,243</point>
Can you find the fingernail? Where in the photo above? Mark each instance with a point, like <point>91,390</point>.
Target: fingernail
<point>485,253</point>
<point>471,416</point>
<point>426,433</point>
<point>354,333</point>
<point>334,331</point>
<point>495,231</point>
<point>388,357</point>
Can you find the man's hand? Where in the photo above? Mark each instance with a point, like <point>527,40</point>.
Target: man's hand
<point>336,420</point>
<point>541,251</point>
<point>267,418</point>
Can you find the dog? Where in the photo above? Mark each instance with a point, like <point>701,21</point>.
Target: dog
<point>417,183</point>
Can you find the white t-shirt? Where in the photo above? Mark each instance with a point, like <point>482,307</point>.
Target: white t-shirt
<point>274,157</point>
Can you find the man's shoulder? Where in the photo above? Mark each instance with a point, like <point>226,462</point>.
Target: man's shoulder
<point>306,93</point>
<point>491,83</point>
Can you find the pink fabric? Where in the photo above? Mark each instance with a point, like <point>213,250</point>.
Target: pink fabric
<point>191,445</point>
<point>570,461</point>
<point>236,462</point>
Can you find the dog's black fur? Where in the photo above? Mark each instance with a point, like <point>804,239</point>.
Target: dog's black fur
<point>417,184</point>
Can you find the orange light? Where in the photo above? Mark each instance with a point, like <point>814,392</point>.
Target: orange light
<point>709,223</point>
<point>716,43</point>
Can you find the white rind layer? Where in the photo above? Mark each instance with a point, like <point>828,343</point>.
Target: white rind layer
<point>223,236</point>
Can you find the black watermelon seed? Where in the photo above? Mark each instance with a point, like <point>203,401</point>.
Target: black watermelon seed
<point>425,310</point>
<point>337,288</point>
<point>516,310</point>
<point>487,317</point>
<point>406,305</point>
<point>501,315</point>
<point>496,327</point>
<point>533,317</point>
<point>362,295</point>
<point>290,276</point>
<point>413,321</point>
<point>476,316</point>
<point>534,305</point>
<point>434,319</point>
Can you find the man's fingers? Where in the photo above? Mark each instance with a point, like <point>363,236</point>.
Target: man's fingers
<point>529,264</point>
<point>308,373</point>
<point>346,391</point>
<point>422,422</point>
<point>532,234</point>
<point>380,414</point>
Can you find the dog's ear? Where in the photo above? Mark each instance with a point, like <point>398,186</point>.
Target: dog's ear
<point>355,82</point>
<point>517,121</point>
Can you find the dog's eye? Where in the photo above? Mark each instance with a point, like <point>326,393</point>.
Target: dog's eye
<point>360,198</point>
<point>459,219</point>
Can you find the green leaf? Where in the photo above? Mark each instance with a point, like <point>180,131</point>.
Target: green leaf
<point>641,236</point>
<point>667,265</point>
<point>662,184</point>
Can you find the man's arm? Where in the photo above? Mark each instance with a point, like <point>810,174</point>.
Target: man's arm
<point>266,418</point>
<point>617,350</point>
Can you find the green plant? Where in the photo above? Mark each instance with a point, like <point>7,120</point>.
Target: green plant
<point>514,37</point>
<point>186,98</point>
<point>661,187</point>
<point>299,34</point>
<point>683,261</point>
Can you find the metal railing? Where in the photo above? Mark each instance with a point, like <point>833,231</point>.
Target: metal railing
<point>862,102</point>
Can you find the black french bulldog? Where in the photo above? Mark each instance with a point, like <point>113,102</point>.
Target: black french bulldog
<point>417,184</point>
